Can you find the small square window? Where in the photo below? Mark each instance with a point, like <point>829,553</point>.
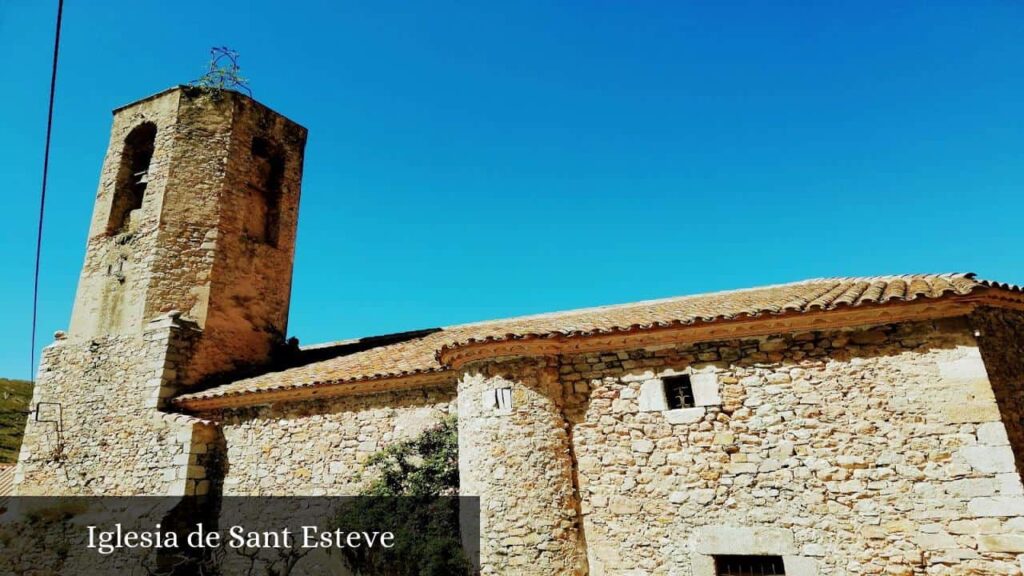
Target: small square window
<point>749,566</point>
<point>678,392</point>
<point>498,400</point>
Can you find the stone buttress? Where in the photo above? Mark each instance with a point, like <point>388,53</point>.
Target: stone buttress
<point>515,454</point>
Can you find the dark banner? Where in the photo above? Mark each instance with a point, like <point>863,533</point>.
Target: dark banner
<point>251,536</point>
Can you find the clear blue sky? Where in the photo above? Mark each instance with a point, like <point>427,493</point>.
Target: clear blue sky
<point>471,162</point>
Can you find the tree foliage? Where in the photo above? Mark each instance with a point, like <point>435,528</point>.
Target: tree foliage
<point>427,465</point>
<point>414,488</point>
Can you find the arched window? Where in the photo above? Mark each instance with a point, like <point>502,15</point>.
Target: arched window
<point>132,176</point>
<point>264,212</point>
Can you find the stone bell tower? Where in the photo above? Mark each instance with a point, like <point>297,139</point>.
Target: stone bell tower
<point>195,212</point>
<point>187,276</point>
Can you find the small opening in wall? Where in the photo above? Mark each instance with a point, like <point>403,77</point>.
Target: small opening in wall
<point>503,396</point>
<point>678,392</point>
<point>749,566</point>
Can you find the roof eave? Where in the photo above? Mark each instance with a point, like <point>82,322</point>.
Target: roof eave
<point>743,327</point>
<point>455,357</point>
<point>314,391</point>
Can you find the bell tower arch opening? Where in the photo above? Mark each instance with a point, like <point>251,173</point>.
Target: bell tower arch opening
<point>132,177</point>
<point>264,221</point>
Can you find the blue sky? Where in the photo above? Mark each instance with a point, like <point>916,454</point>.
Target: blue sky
<point>468,162</point>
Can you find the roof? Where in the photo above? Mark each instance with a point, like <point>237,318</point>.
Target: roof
<point>6,482</point>
<point>420,356</point>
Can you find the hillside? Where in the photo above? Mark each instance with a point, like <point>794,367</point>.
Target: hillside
<point>15,398</point>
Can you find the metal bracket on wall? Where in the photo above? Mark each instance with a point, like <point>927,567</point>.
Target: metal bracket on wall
<point>58,423</point>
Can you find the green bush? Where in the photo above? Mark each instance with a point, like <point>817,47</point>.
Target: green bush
<point>15,400</point>
<point>414,488</point>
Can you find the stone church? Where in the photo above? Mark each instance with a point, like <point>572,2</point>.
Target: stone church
<point>825,427</point>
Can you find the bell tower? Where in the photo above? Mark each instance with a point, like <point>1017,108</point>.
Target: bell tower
<point>196,213</point>
<point>187,276</point>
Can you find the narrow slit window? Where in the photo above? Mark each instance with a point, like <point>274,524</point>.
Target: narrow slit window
<point>749,566</point>
<point>679,392</point>
<point>504,400</point>
<point>498,400</point>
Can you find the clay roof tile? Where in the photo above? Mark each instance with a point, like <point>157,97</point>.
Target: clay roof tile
<point>416,353</point>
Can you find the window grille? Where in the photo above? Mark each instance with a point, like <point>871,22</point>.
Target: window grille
<point>679,392</point>
<point>749,566</point>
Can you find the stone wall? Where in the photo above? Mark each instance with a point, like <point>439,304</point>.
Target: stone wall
<point>317,448</point>
<point>1001,337</point>
<point>99,432</point>
<point>874,451</point>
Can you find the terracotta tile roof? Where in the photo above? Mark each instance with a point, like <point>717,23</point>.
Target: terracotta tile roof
<point>417,353</point>
<point>6,482</point>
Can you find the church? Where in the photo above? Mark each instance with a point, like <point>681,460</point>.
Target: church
<point>835,426</point>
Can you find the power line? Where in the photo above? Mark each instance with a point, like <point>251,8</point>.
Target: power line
<point>42,195</point>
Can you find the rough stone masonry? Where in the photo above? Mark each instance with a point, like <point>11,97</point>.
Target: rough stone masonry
<point>831,426</point>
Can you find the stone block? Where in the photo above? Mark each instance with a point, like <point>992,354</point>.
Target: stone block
<point>989,459</point>
<point>713,540</point>
<point>742,468</point>
<point>684,415</point>
<point>937,541</point>
<point>851,462</point>
<point>1010,484</point>
<point>816,550</point>
<point>624,505</point>
<point>972,487</point>
<point>652,396</point>
<point>643,446</point>
<point>969,411</point>
<point>1013,543</point>
<point>640,377</point>
<point>703,496</point>
<point>800,566</point>
<point>993,434</point>
<point>705,389</point>
<point>1012,525</point>
<point>996,506</point>
<point>967,370</point>
<point>976,526</point>
<point>202,488</point>
<point>773,345</point>
<point>183,459</point>
<point>702,565</point>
